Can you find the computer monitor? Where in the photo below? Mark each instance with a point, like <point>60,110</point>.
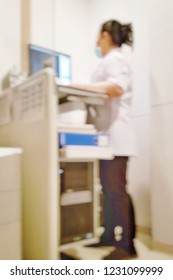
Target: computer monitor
<point>39,57</point>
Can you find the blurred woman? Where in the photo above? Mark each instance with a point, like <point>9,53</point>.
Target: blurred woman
<point>113,76</point>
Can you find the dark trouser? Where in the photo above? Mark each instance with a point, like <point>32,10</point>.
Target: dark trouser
<point>118,209</point>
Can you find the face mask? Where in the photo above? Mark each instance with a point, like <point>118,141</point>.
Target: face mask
<point>98,52</point>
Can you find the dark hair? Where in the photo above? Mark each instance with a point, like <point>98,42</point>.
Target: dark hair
<point>120,33</point>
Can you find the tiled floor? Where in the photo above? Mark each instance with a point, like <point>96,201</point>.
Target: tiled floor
<point>145,252</point>
<point>142,244</point>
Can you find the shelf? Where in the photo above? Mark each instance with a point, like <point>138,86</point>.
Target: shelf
<point>84,153</point>
<point>82,242</point>
<point>67,93</point>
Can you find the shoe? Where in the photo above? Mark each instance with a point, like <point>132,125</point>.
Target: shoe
<point>132,252</point>
<point>120,254</point>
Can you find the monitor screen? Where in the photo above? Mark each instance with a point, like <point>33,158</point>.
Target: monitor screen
<point>64,68</point>
<point>39,57</point>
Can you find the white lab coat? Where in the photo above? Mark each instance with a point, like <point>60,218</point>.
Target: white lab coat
<point>114,116</point>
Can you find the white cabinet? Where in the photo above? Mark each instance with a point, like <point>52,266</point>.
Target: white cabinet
<point>33,126</point>
<point>10,204</point>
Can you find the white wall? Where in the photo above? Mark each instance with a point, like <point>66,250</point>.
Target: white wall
<point>139,171</point>
<point>10,39</point>
<point>161,75</point>
<point>42,23</point>
<point>72,34</point>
